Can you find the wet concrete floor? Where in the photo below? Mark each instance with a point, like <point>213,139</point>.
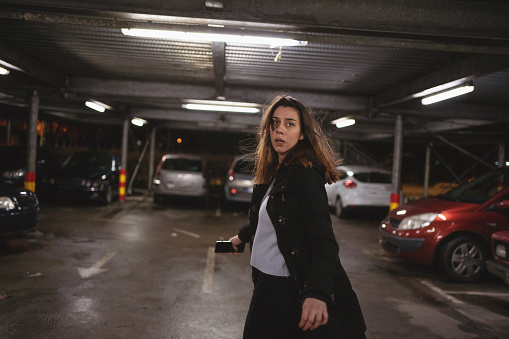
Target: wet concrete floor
<point>142,270</point>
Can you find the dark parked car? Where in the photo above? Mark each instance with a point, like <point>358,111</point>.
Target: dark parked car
<point>13,167</point>
<point>89,176</point>
<point>500,263</point>
<point>452,230</point>
<point>18,210</point>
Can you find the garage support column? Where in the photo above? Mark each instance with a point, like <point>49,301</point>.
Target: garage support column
<point>396,163</point>
<point>151,159</point>
<point>501,154</point>
<point>427,168</point>
<point>32,142</point>
<point>8,135</point>
<point>123,161</point>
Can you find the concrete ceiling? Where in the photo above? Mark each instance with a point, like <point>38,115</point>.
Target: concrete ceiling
<point>365,59</point>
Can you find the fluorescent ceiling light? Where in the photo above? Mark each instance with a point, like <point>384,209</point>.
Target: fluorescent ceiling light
<point>138,122</point>
<point>5,65</point>
<point>221,106</point>
<point>447,94</point>
<point>4,71</point>
<point>178,35</point>
<point>343,122</point>
<point>97,105</point>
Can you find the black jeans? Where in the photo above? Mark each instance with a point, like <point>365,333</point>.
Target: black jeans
<point>275,309</point>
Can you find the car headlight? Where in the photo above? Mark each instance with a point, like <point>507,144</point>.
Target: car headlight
<point>93,183</point>
<point>417,221</point>
<point>6,203</point>
<point>500,251</point>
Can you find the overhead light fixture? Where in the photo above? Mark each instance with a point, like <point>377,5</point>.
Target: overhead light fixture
<point>97,105</point>
<point>221,106</point>
<point>194,36</point>
<point>343,122</point>
<point>138,122</point>
<point>5,68</point>
<point>447,94</point>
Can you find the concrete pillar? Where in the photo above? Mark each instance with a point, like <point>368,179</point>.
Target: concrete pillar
<point>427,168</point>
<point>123,162</point>
<point>31,160</point>
<point>151,160</point>
<point>396,163</point>
<point>501,154</point>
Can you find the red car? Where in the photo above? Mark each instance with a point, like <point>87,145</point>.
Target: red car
<point>500,263</point>
<point>452,230</point>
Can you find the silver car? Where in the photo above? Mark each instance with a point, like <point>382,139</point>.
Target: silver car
<point>239,181</point>
<point>179,175</point>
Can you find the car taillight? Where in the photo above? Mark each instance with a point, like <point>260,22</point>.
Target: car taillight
<point>350,184</point>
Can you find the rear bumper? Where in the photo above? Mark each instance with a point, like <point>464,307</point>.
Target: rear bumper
<point>498,270</point>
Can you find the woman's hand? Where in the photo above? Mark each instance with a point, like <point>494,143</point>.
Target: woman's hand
<point>314,314</point>
<point>235,242</point>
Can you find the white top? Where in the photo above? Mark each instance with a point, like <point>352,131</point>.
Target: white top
<point>266,255</point>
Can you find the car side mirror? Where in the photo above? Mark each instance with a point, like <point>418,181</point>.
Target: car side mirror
<point>502,205</point>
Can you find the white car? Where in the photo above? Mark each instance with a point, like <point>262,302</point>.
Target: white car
<point>239,182</point>
<point>179,175</point>
<point>359,186</point>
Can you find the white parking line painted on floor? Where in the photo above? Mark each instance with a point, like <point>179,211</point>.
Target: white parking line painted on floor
<point>441,292</point>
<point>482,294</point>
<point>208,277</point>
<point>194,235</point>
<point>95,268</point>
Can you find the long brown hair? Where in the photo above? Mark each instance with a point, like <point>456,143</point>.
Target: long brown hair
<point>314,145</point>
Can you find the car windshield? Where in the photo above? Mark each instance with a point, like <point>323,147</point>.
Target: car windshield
<point>481,189</point>
<point>88,160</point>
<point>373,177</point>
<point>182,164</point>
<point>244,167</point>
<point>12,157</point>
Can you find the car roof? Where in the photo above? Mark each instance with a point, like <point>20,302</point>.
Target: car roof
<point>182,156</point>
<point>362,168</point>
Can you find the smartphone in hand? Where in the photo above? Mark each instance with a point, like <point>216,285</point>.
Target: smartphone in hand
<point>227,247</point>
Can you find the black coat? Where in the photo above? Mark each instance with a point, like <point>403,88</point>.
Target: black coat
<point>299,211</point>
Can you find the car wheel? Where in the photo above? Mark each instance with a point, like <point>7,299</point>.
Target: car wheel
<point>108,195</point>
<point>340,210</point>
<point>462,259</point>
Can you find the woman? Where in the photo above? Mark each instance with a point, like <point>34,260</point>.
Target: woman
<point>300,288</point>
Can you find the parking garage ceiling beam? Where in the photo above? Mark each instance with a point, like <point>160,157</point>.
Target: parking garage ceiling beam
<point>462,26</point>
<point>34,68</point>
<point>470,69</point>
<point>173,91</point>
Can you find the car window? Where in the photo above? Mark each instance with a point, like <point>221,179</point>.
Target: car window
<point>244,167</point>
<point>374,177</point>
<point>342,175</point>
<point>480,189</point>
<point>88,160</point>
<point>182,164</point>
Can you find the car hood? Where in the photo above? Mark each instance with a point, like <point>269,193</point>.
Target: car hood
<point>431,205</point>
